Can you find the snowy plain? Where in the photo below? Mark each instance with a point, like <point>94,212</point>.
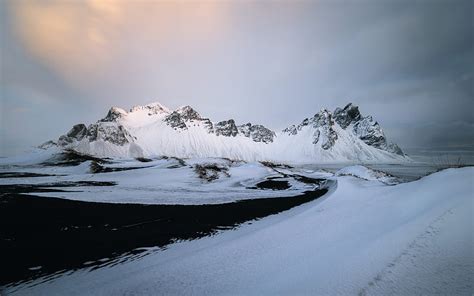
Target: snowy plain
<point>364,237</point>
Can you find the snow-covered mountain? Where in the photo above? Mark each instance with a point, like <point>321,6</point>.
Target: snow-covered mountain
<point>154,130</point>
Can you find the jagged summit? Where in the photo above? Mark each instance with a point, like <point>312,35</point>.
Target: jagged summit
<point>114,114</point>
<point>322,124</point>
<point>257,132</point>
<point>188,113</point>
<point>186,116</point>
<point>366,128</point>
<point>151,108</point>
<point>155,130</point>
<point>344,117</point>
<point>350,119</point>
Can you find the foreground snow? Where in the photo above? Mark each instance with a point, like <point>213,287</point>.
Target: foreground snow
<point>362,238</point>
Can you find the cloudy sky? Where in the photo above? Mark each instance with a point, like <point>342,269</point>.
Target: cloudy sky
<point>407,63</point>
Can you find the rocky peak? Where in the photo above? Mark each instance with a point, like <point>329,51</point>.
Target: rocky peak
<point>294,129</point>
<point>152,108</point>
<point>323,124</point>
<point>48,144</point>
<point>291,130</point>
<point>257,133</point>
<point>178,118</point>
<point>226,128</point>
<point>369,131</point>
<point>349,114</point>
<point>322,118</point>
<point>245,129</point>
<point>208,124</point>
<point>188,113</point>
<point>77,133</point>
<point>102,130</point>
<point>175,121</point>
<point>113,133</point>
<point>365,128</point>
<point>114,114</point>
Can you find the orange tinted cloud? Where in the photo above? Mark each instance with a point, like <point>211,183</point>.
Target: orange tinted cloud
<point>81,40</point>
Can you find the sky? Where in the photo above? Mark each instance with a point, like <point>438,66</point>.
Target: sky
<point>409,64</point>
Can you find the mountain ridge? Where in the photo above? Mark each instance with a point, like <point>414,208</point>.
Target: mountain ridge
<point>154,130</point>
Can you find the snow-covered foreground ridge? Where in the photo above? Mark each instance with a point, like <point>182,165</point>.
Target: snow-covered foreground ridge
<point>153,130</point>
<point>363,238</point>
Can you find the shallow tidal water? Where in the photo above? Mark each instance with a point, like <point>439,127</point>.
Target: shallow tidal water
<point>40,236</point>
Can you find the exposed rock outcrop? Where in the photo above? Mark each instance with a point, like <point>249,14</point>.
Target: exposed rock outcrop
<point>349,114</point>
<point>257,132</point>
<point>77,133</point>
<point>115,134</point>
<point>226,128</point>
<point>185,116</point>
<point>365,128</point>
<point>114,114</point>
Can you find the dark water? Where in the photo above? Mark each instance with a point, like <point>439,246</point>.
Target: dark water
<point>22,175</point>
<point>40,235</point>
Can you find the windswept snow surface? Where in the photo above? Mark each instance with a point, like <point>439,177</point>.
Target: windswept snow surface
<point>368,174</point>
<point>363,238</point>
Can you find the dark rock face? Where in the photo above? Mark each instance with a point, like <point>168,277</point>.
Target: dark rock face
<point>175,121</point>
<point>257,133</point>
<point>211,172</point>
<point>294,129</point>
<point>365,128</point>
<point>188,113</point>
<point>226,128</point>
<point>113,115</point>
<point>291,130</point>
<point>102,130</point>
<point>77,133</point>
<point>344,117</point>
<point>208,124</point>
<point>244,129</point>
<point>178,119</point>
<point>48,144</point>
<point>184,116</point>
<point>115,134</point>
<point>369,131</point>
<point>323,123</point>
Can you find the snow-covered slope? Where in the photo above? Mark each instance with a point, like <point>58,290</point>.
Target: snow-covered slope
<point>154,130</point>
<point>364,238</point>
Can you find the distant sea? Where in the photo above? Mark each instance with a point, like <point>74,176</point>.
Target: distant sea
<point>442,156</point>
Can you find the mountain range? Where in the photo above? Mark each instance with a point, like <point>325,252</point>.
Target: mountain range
<point>344,135</point>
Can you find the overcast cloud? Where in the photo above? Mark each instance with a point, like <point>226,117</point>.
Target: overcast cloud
<point>407,63</point>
